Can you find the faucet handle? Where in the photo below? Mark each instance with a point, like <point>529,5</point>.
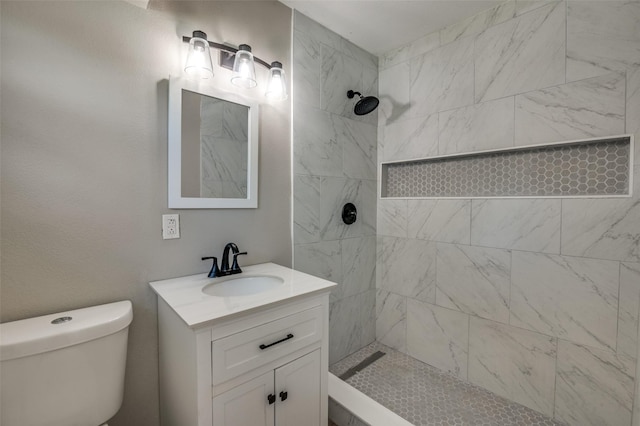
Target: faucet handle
<point>235,268</point>
<point>214,272</point>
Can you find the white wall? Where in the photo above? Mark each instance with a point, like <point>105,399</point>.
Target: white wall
<point>84,162</point>
<point>536,300</point>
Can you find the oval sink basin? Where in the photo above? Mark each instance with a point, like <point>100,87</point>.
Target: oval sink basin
<point>243,286</point>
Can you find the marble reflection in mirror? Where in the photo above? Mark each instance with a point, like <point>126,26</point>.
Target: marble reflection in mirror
<point>214,147</point>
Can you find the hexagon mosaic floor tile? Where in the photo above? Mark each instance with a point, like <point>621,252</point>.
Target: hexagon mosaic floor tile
<point>426,396</point>
<point>584,169</point>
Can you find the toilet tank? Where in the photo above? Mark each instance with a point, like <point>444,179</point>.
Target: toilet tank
<point>64,369</point>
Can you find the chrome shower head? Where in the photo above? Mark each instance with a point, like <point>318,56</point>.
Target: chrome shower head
<point>365,105</point>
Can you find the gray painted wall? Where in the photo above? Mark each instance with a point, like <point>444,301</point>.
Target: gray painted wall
<point>84,162</point>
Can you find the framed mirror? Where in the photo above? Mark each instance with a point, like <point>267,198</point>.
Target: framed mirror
<point>213,148</point>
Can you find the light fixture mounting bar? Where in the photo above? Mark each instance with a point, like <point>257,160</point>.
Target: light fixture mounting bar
<point>231,51</point>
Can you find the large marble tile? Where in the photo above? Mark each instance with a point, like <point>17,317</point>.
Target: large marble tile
<point>629,309</point>
<point>391,320</point>
<point>524,6</point>
<point>393,91</point>
<point>379,260</point>
<point>392,218</point>
<point>544,291</point>
<point>483,126</point>
<point>411,138</point>
<point>522,224</point>
<point>352,324</point>
<point>514,363</point>
<point>438,336</point>
<point>307,65</point>
<point>633,108</point>
<point>365,58</point>
<point>478,23</point>
<point>358,265</point>
<point>522,54</point>
<point>334,194</point>
<point>340,73</point>
<point>317,150</point>
<point>395,56</point>
<point>316,31</point>
<point>442,79</point>
<point>593,387</point>
<point>602,36</point>
<point>367,212</point>
<point>602,228</point>
<point>359,147</point>
<point>447,221</point>
<point>579,110</point>
<point>474,280</point>
<point>322,259</point>
<point>408,268</point>
<point>306,209</point>
<point>424,44</point>
<point>417,47</point>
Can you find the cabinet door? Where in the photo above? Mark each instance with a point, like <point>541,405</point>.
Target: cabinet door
<point>246,404</point>
<point>300,379</point>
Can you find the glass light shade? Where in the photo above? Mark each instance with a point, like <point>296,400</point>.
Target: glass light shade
<point>199,63</point>
<point>244,71</point>
<point>277,83</point>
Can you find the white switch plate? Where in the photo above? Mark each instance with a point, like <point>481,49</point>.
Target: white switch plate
<point>170,226</point>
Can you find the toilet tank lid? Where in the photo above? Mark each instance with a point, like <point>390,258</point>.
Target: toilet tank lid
<point>37,335</point>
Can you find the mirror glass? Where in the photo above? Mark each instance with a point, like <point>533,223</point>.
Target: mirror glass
<point>212,148</point>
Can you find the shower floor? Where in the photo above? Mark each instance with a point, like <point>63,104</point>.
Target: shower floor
<point>424,395</point>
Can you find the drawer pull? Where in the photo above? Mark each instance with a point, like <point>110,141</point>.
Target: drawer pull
<point>289,336</point>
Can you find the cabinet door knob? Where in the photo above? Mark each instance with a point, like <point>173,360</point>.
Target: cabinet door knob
<point>283,396</point>
<point>271,398</point>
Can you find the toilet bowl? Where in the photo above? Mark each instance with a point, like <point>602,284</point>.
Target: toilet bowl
<point>64,369</point>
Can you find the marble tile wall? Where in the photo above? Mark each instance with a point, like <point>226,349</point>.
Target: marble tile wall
<point>535,299</point>
<point>335,154</point>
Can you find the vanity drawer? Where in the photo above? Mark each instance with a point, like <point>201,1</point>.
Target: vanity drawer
<point>241,352</point>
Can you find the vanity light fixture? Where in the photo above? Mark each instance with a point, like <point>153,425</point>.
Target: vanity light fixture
<point>277,88</point>
<point>199,58</point>
<point>244,74</point>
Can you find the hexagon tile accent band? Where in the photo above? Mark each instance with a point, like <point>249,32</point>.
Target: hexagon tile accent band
<point>599,167</point>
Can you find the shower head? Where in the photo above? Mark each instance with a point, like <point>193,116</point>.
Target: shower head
<point>365,105</point>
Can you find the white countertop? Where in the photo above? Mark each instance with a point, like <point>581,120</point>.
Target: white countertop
<point>184,295</point>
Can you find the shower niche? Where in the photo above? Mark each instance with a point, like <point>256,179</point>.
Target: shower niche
<point>584,168</point>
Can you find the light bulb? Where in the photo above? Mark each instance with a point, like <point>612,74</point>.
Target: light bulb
<point>244,72</point>
<point>199,63</point>
<point>277,84</point>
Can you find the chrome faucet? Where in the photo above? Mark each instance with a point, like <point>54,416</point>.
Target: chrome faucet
<point>224,265</point>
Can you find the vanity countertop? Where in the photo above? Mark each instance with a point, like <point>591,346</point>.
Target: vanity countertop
<point>184,295</point>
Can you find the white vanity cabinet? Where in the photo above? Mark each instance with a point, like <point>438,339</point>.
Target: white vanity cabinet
<point>293,397</point>
<point>266,365</point>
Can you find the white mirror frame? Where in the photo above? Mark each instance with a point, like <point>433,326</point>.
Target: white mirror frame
<point>176,200</point>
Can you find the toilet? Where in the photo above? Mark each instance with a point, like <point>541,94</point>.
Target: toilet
<point>64,369</point>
